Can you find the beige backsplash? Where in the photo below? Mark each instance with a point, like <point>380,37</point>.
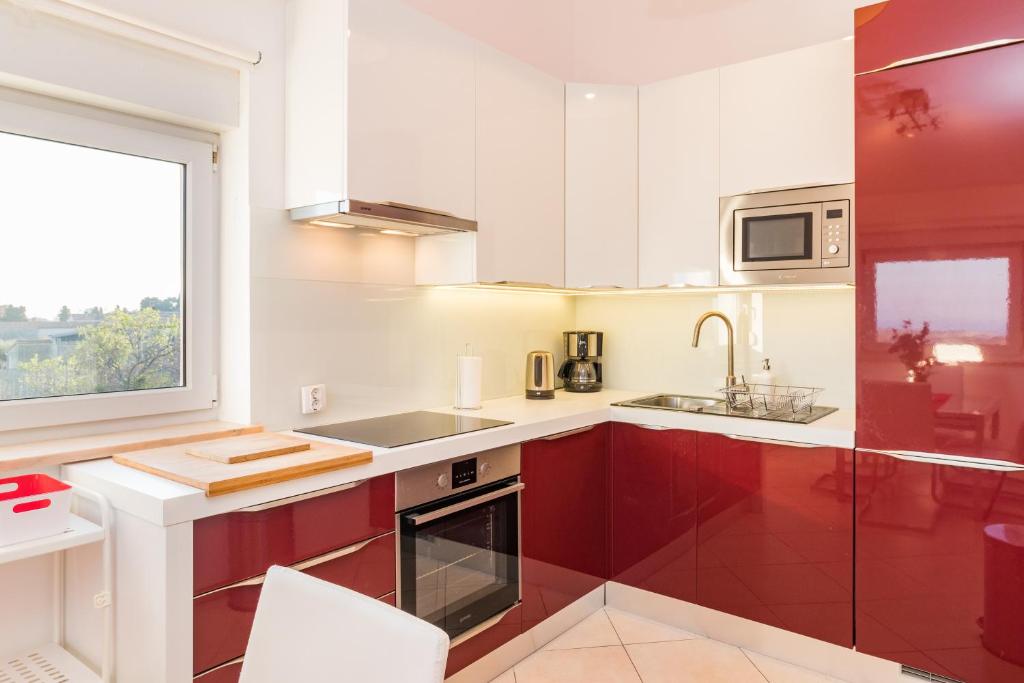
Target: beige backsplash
<point>808,335</point>
<point>387,348</point>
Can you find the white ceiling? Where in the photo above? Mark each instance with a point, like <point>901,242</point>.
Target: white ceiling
<point>639,41</point>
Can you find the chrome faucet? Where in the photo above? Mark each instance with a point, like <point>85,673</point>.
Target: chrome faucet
<point>730,378</point>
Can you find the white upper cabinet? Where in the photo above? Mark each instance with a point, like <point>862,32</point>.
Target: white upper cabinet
<point>411,119</point>
<point>520,172</point>
<point>678,234</point>
<point>600,186</point>
<point>787,119</point>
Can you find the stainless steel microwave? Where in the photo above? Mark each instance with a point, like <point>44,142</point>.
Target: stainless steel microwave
<point>793,236</point>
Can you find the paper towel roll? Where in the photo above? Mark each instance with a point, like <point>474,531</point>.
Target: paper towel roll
<point>468,382</point>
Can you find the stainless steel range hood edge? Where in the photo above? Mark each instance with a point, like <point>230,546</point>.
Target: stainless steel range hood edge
<point>383,216</point>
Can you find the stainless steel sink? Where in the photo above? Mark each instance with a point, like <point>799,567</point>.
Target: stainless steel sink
<point>689,404</point>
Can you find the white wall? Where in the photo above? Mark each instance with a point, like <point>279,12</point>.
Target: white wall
<point>388,348</point>
<point>806,334</point>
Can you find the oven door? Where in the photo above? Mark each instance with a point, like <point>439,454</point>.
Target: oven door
<point>458,559</point>
<point>777,238</point>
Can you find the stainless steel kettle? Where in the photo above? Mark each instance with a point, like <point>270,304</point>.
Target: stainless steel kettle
<point>540,375</point>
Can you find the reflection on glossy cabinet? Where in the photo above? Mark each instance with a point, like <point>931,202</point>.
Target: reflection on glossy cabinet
<point>654,509</point>
<point>564,519</point>
<point>411,111</point>
<point>678,181</point>
<point>940,567</point>
<point>775,535</point>
<point>787,119</point>
<point>600,185</point>
<point>945,250</point>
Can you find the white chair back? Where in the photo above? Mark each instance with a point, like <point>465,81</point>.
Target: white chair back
<point>310,630</point>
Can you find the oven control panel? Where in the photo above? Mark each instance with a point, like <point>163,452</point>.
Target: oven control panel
<point>835,234</point>
<point>430,482</point>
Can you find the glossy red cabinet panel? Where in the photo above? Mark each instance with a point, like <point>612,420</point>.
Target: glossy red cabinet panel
<point>485,642</point>
<point>564,519</point>
<point>221,620</point>
<point>775,535</point>
<point>903,29</point>
<point>237,545</point>
<point>940,243</point>
<point>940,567</point>
<point>654,509</point>
<point>228,673</point>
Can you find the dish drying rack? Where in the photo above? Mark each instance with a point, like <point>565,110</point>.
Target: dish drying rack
<point>762,399</point>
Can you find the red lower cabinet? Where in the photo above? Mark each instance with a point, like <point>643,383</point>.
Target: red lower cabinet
<point>223,618</point>
<point>241,544</point>
<point>564,519</point>
<point>468,651</point>
<point>654,509</point>
<point>775,534</point>
<point>940,567</point>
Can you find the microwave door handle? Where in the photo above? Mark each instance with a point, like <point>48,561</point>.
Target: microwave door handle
<point>425,517</point>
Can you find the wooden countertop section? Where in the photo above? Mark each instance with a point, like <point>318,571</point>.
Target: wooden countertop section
<point>60,451</point>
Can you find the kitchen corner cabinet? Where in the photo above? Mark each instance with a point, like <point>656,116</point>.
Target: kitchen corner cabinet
<point>564,519</point>
<point>940,567</point>
<point>600,186</point>
<point>787,119</point>
<point>678,181</point>
<point>520,183</point>
<point>654,509</point>
<point>411,109</point>
<point>775,534</point>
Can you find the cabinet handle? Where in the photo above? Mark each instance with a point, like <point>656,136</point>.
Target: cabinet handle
<point>299,566</point>
<point>425,517</point>
<point>602,287</point>
<point>948,459</point>
<point>653,428</point>
<point>302,496</point>
<point>571,432</point>
<point>203,675</point>
<point>480,628</point>
<point>523,283</point>
<point>775,442</point>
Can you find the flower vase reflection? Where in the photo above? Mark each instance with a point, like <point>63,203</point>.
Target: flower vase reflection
<point>910,347</point>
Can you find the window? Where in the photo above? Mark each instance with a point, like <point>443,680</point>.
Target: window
<point>968,298</point>
<point>106,282</point>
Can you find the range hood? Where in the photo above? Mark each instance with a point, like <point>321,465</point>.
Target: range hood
<point>401,218</point>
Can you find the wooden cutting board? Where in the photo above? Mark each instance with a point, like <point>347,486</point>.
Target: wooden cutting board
<point>218,478</point>
<point>252,447</point>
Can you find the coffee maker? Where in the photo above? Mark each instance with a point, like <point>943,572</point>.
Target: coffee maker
<point>581,371</point>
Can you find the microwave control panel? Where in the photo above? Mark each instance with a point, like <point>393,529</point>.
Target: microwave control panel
<point>835,234</point>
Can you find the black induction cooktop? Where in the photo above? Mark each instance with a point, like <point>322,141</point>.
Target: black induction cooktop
<point>401,430</point>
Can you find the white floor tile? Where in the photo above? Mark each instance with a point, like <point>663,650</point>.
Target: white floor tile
<point>698,661</point>
<point>589,665</point>
<point>632,629</point>
<point>778,671</point>
<point>507,677</point>
<point>594,631</point>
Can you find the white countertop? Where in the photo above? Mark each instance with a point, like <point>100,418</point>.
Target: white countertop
<point>164,502</point>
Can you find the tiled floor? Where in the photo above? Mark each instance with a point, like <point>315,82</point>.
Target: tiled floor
<point>617,647</point>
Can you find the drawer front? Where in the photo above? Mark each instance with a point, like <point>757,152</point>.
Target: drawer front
<point>485,642</point>
<point>227,673</point>
<point>238,545</point>
<point>222,619</point>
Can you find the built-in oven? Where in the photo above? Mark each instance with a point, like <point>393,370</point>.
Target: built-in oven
<point>794,236</point>
<point>458,539</point>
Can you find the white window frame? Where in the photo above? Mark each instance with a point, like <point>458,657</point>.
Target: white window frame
<point>200,284</point>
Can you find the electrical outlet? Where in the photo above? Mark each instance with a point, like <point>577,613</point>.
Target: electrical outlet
<point>314,398</point>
